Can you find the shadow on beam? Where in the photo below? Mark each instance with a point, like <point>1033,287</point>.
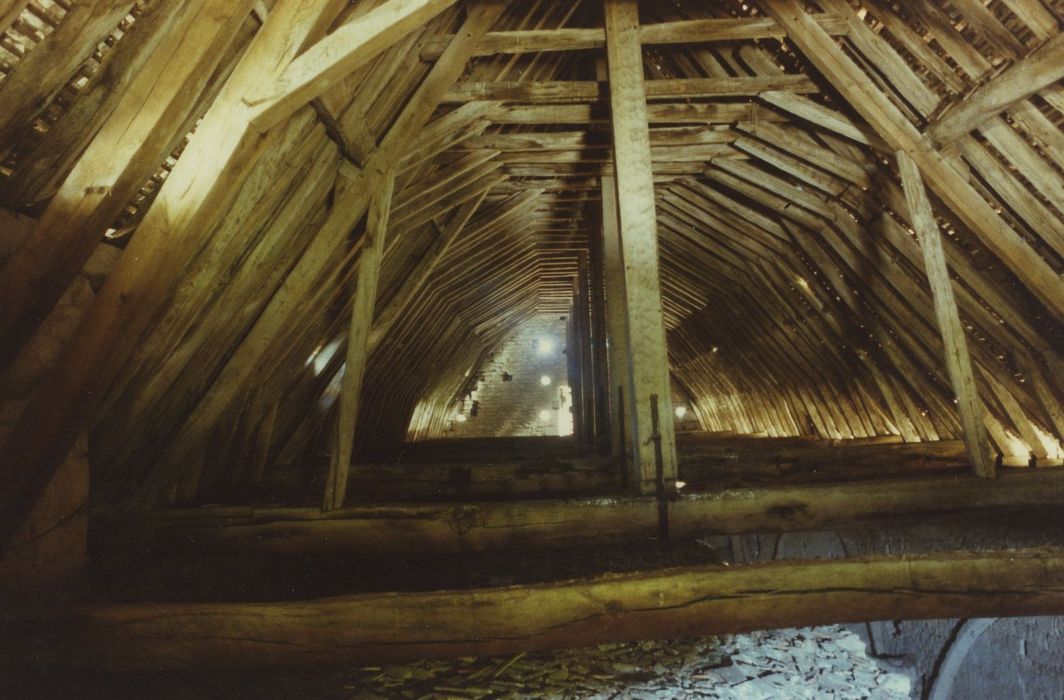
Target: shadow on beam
<point>439,528</point>
<point>663,604</point>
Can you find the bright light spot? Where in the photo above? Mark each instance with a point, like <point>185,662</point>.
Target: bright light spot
<point>545,346</point>
<point>544,415</point>
<point>565,412</point>
<point>715,350</point>
<point>680,412</point>
<point>460,418</point>
<point>1051,444</point>
<point>680,485</point>
<point>322,355</point>
<point>544,380</point>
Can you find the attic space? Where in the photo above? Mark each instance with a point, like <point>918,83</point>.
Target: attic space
<point>497,340</point>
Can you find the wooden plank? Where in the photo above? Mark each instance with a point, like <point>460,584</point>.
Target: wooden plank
<point>691,31</point>
<point>299,287</point>
<point>483,526</point>
<point>358,339</point>
<point>578,91</point>
<point>36,79</point>
<point>9,12</point>
<point>819,115</point>
<point>657,113</point>
<point>374,628</point>
<point>958,360</point>
<point>216,162</point>
<point>946,181</point>
<point>341,52</point>
<point>648,356</point>
<point>183,47</point>
<point>1024,78</point>
<point>620,378</point>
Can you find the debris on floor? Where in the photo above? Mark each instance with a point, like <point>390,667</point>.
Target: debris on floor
<point>814,663</point>
<point>820,662</point>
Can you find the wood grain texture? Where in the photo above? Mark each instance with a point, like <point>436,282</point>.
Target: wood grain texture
<point>672,603</point>
<point>649,364</point>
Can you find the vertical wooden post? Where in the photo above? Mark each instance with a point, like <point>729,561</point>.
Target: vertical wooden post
<point>587,358</point>
<point>358,340</point>
<point>616,322</point>
<point>958,360</point>
<point>639,240</point>
<point>572,362</point>
<point>598,341</point>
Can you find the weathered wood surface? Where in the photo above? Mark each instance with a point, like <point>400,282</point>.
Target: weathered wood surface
<point>383,482</point>
<point>373,245</point>
<point>945,180</point>
<point>178,49</point>
<point>648,359</point>
<point>216,162</point>
<point>678,32</point>
<point>958,361</point>
<point>670,603</point>
<point>482,526</point>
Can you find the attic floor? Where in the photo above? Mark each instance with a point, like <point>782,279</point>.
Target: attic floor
<point>551,467</point>
<point>813,662</point>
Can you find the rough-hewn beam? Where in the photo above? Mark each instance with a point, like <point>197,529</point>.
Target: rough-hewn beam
<point>215,163</point>
<point>620,378</point>
<point>37,78</point>
<point>691,31</point>
<point>340,53</point>
<point>358,338</point>
<point>948,183</point>
<point>648,357</point>
<point>184,44</point>
<point>577,91</point>
<point>958,360</point>
<point>475,527</point>
<point>299,287</point>
<point>380,627</point>
<point>1041,68</point>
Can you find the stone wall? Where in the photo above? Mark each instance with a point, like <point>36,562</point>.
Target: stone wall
<point>948,659</point>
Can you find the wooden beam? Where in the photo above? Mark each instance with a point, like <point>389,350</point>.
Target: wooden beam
<point>374,628</point>
<point>1024,78</point>
<point>422,271</point>
<point>620,378</point>
<point>340,53</point>
<point>484,526</point>
<point>217,160</point>
<point>945,180</point>
<point>358,338</point>
<point>958,360</point>
<point>183,45</point>
<point>299,287</point>
<point>35,80</point>
<point>819,115</point>
<point>582,91</point>
<point>692,31</point>
<point>648,357</point>
<point>596,113</point>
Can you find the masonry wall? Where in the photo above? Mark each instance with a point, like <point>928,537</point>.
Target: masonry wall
<point>949,659</point>
<point>510,395</point>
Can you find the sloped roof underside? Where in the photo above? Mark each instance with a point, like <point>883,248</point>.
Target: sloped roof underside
<point>793,286</point>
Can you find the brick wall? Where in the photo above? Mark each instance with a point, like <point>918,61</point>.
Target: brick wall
<point>510,395</point>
